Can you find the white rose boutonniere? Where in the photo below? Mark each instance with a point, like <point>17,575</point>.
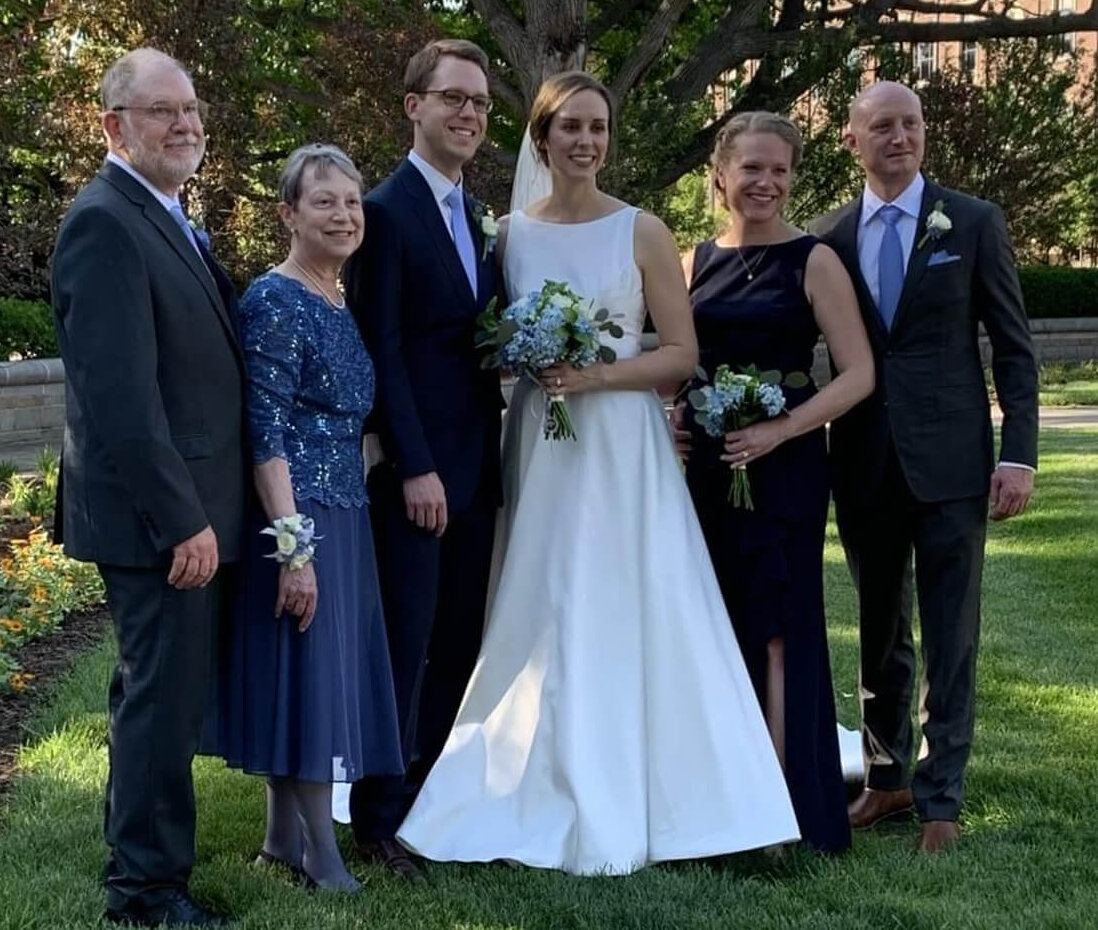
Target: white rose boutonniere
<point>937,224</point>
<point>489,228</point>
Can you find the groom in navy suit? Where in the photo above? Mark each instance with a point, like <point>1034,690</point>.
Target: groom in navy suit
<point>423,274</point>
<point>913,465</point>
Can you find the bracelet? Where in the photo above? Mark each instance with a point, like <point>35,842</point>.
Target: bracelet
<point>295,542</point>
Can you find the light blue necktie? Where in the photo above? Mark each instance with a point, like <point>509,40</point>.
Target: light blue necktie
<point>890,265</point>
<point>180,218</point>
<point>463,238</point>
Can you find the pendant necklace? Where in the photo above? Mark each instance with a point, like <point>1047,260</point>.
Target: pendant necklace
<point>335,305</point>
<point>753,266</point>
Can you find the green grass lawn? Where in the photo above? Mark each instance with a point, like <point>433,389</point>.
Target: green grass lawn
<point>1069,384</point>
<point>1028,858</point>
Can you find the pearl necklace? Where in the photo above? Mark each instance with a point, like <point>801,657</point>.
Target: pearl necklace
<point>335,305</point>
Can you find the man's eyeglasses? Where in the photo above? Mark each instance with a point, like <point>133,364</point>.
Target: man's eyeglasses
<point>455,100</point>
<point>166,113</point>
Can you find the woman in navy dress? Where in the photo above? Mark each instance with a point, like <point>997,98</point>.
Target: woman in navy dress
<point>762,293</point>
<point>306,690</point>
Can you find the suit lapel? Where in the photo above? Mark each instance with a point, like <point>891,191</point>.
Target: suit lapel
<point>845,241</point>
<point>166,226</point>
<point>917,263</point>
<point>427,210</point>
<point>485,257</point>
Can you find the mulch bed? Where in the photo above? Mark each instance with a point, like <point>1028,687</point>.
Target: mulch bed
<point>49,658</point>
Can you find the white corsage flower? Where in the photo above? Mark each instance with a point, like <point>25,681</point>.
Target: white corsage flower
<point>489,228</point>
<point>937,224</point>
<point>295,536</point>
<point>286,542</point>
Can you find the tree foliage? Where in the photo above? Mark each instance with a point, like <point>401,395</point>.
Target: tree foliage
<point>663,57</point>
<point>276,73</point>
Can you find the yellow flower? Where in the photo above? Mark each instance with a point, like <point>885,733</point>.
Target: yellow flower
<point>12,626</point>
<point>40,593</point>
<point>20,680</point>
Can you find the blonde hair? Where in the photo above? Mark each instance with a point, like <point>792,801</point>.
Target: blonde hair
<point>552,95</point>
<point>755,121</point>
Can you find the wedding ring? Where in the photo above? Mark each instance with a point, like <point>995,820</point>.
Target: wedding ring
<point>558,382</point>
<point>744,454</point>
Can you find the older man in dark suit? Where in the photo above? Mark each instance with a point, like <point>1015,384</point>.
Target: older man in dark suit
<point>154,472</point>
<point>913,464</point>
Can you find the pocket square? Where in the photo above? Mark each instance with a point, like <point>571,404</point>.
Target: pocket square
<point>941,258</point>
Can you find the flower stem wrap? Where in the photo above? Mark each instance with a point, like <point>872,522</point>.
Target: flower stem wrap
<point>295,540</point>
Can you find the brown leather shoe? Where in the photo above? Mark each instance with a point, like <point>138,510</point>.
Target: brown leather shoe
<point>394,857</point>
<point>938,836</point>
<point>873,805</point>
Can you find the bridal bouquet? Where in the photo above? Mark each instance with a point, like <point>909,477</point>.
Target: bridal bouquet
<point>548,327</point>
<point>735,400</point>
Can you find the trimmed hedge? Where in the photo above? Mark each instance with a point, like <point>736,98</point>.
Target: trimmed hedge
<point>26,327</point>
<point>1057,292</point>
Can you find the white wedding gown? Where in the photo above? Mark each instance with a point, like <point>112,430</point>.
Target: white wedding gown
<point>610,721</point>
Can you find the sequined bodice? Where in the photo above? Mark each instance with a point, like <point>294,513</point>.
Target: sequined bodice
<point>310,386</point>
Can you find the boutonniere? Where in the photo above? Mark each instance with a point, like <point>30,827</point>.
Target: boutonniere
<point>937,224</point>
<point>489,227</point>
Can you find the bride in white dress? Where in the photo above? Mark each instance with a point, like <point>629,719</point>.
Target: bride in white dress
<point>610,721</point>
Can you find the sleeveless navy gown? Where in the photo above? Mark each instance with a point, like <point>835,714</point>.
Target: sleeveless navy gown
<point>769,561</point>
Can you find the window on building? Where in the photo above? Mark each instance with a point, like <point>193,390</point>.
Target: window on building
<point>926,60</point>
<point>1066,42</point>
<point>968,57</point>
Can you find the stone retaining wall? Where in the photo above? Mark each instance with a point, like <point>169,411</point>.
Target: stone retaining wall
<point>32,402</point>
<point>32,393</point>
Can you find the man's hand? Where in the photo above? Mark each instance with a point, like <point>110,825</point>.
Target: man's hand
<point>194,561</point>
<point>1011,488</point>
<point>297,594</point>
<point>425,502</point>
<point>679,431</point>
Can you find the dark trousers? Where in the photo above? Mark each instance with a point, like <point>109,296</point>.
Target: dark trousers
<point>433,591</point>
<point>157,696</point>
<point>947,540</point>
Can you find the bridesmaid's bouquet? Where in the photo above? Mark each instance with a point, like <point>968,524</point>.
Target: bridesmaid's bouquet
<point>552,326</point>
<point>735,400</point>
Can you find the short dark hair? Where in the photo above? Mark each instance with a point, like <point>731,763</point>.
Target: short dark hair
<point>423,63</point>
<point>552,95</point>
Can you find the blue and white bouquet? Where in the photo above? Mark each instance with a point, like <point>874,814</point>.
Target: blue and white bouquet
<point>735,400</point>
<point>552,326</point>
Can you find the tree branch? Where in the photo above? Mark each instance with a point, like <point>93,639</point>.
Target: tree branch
<point>648,47</point>
<point>995,27</point>
<point>505,28</point>
<point>974,8</point>
<point>510,95</point>
<point>612,15</point>
<point>721,50</point>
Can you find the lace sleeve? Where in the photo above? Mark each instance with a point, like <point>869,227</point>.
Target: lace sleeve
<point>272,325</point>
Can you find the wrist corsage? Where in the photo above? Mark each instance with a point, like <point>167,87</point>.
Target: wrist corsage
<point>295,540</point>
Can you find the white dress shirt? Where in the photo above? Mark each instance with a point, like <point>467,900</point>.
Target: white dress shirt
<point>440,185</point>
<point>871,230</point>
<point>161,198</point>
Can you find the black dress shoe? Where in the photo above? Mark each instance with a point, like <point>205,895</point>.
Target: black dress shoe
<point>393,857</point>
<point>176,909</point>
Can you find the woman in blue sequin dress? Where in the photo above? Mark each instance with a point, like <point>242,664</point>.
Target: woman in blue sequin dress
<point>762,293</point>
<point>306,688</point>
